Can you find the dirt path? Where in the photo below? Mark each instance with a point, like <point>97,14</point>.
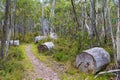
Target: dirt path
<point>41,70</point>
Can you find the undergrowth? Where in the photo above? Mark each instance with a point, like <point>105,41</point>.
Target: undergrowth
<point>14,66</point>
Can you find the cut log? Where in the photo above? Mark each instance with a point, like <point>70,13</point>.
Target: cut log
<point>116,2</point>
<point>92,60</point>
<point>38,38</point>
<point>45,46</point>
<point>13,42</point>
<point>53,35</point>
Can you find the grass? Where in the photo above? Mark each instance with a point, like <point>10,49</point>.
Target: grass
<point>14,67</point>
<point>29,65</point>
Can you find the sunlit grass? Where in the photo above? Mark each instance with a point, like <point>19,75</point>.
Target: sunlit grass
<point>26,61</point>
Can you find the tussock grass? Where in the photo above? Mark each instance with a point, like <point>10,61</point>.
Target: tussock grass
<point>16,65</point>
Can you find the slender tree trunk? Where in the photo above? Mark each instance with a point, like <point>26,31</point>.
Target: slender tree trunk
<point>93,21</point>
<point>118,36</point>
<point>97,12</point>
<point>43,30</point>
<point>11,25</point>
<point>75,15</point>
<point>112,37</point>
<point>52,15</point>
<point>13,20</point>
<point>3,42</point>
<point>104,20</point>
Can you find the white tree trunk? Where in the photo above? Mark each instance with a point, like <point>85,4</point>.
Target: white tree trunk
<point>112,36</point>
<point>118,38</point>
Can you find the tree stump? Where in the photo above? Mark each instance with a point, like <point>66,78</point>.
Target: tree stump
<point>92,60</point>
<point>45,46</point>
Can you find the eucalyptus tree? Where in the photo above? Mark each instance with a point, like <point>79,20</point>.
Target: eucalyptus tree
<point>93,22</point>
<point>118,35</point>
<point>2,10</point>
<point>63,18</point>
<point>4,34</point>
<point>75,15</point>
<point>26,15</point>
<point>104,11</point>
<point>11,27</point>
<point>44,23</point>
<point>112,34</point>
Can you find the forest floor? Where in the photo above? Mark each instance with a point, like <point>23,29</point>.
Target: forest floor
<point>41,71</point>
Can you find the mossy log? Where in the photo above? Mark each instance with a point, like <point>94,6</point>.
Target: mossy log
<point>92,60</point>
<point>45,46</point>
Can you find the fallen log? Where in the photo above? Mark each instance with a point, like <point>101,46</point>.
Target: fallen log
<point>38,38</point>
<point>45,46</point>
<point>116,2</point>
<point>92,60</point>
<point>105,72</point>
<point>53,35</point>
<point>12,42</point>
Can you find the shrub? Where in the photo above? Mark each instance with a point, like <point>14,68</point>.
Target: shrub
<point>12,68</point>
<point>60,57</point>
<point>15,53</point>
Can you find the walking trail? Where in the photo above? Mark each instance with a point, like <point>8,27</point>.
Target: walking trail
<point>41,71</point>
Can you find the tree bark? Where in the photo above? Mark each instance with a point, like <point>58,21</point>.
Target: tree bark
<point>92,60</point>
<point>112,36</point>
<point>42,20</point>
<point>3,41</point>
<point>75,15</point>
<point>93,22</point>
<point>104,20</point>
<point>12,20</point>
<point>118,36</point>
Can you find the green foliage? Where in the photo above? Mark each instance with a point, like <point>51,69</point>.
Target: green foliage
<point>60,56</point>
<point>15,53</point>
<point>27,38</point>
<point>14,66</point>
<point>11,67</point>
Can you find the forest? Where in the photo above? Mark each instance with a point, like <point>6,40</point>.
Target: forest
<point>59,39</point>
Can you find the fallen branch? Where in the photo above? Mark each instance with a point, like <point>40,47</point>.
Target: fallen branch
<point>104,72</point>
